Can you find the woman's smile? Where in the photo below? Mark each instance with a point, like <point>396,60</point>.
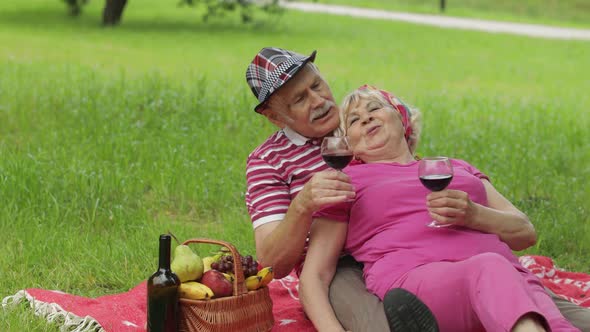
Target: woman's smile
<point>372,130</point>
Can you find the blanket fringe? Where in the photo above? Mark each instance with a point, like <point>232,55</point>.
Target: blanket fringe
<point>53,313</point>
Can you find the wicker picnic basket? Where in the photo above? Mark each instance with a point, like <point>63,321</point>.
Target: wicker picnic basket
<point>247,311</point>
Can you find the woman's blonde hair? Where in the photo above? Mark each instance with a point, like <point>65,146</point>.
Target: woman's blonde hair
<point>373,94</point>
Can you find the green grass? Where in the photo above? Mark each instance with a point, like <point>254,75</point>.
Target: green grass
<point>575,13</point>
<point>109,137</point>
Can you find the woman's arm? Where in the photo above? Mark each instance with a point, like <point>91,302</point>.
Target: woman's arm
<point>326,241</point>
<point>500,217</point>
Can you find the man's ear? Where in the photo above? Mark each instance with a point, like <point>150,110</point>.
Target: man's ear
<point>273,117</point>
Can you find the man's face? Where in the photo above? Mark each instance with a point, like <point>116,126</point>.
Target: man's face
<point>305,104</point>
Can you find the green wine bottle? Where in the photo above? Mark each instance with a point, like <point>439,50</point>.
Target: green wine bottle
<point>162,293</point>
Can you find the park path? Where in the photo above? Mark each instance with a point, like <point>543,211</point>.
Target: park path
<point>531,30</point>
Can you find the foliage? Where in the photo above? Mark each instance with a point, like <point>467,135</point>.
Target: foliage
<point>75,6</point>
<point>213,8</point>
<point>245,7</point>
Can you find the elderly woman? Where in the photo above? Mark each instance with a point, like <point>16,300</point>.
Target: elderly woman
<point>466,274</point>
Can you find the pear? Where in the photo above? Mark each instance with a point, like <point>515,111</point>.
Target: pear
<point>186,264</point>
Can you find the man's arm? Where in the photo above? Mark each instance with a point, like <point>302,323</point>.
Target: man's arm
<point>280,244</point>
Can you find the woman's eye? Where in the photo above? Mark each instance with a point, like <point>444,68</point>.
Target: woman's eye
<point>373,109</point>
<point>352,121</point>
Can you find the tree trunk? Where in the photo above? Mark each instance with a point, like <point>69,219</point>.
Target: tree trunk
<point>443,5</point>
<point>113,10</point>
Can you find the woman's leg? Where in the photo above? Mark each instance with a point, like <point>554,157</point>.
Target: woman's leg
<point>484,292</point>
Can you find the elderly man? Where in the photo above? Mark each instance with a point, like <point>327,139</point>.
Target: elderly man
<point>288,181</point>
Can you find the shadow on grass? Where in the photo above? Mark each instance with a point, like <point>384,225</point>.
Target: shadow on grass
<point>56,17</point>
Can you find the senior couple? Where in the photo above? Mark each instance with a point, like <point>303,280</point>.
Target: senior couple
<point>358,239</point>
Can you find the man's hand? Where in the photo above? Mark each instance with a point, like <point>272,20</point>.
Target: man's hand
<point>451,207</point>
<point>280,244</point>
<point>323,189</point>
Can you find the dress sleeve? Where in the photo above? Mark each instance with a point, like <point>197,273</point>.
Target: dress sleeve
<point>267,193</point>
<point>338,212</point>
<point>471,169</point>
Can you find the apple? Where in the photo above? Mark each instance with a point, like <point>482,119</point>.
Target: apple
<point>215,280</point>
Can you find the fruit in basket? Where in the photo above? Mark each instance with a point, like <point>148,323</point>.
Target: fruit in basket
<point>253,282</point>
<point>207,261</point>
<point>267,275</point>
<point>229,276</point>
<point>215,280</point>
<point>186,264</point>
<point>195,291</point>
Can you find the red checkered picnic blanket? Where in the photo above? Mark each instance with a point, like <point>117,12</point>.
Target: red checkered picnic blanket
<point>127,311</point>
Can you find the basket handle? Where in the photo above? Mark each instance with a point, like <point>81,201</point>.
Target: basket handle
<point>239,286</point>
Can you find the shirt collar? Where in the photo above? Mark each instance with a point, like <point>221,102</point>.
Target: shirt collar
<point>295,137</point>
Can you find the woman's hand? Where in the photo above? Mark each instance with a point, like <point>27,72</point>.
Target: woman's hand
<point>498,217</point>
<point>451,207</point>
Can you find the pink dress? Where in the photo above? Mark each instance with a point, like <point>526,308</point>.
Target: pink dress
<point>387,232</point>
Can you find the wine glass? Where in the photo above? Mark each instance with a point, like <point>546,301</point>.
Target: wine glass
<point>336,151</point>
<point>435,173</point>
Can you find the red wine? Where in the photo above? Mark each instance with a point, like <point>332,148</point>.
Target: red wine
<point>162,292</point>
<point>436,182</point>
<point>337,160</point>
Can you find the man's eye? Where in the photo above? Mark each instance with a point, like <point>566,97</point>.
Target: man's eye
<point>316,85</point>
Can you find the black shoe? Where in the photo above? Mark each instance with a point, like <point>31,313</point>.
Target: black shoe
<point>406,313</point>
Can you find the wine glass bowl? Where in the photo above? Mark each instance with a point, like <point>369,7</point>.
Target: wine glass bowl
<point>336,151</point>
<point>435,174</point>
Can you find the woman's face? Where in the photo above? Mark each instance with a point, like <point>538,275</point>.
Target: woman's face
<point>375,130</point>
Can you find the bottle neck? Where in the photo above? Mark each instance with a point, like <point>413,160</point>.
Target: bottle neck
<point>164,262</point>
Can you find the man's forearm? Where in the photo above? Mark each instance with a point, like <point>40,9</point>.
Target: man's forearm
<point>283,247</point>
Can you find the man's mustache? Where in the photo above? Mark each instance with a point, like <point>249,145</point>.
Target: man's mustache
<point>320,111</point>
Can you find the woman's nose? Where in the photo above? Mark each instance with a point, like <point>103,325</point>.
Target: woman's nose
<point>367,119</point>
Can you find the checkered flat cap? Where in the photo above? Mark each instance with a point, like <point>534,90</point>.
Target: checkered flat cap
<point>271,68</point>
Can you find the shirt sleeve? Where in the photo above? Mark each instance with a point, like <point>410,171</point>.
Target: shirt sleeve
<point>267,193</point>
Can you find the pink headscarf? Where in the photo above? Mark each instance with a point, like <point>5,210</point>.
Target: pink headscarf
<point>397,104</point>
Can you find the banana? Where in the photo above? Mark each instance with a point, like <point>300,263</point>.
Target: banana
<point>229,276</point>
<point>207,261</point>
<point>253,282</point>
<point>267,275</point>
<point>195,291</point>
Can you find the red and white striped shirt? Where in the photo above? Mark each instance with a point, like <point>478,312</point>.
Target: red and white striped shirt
<point>276,171</point>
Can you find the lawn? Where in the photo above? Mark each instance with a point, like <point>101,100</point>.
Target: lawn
<point>110,137</point>
<point>574,13</point>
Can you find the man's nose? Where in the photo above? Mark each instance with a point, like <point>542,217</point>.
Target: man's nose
<point>316,99</point>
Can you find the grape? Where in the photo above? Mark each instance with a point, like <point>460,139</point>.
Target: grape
<point>229,266</point>
<point>253,270</point>
<point>215,266</point>
<point>229,258</point>
<point>248,259</point>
